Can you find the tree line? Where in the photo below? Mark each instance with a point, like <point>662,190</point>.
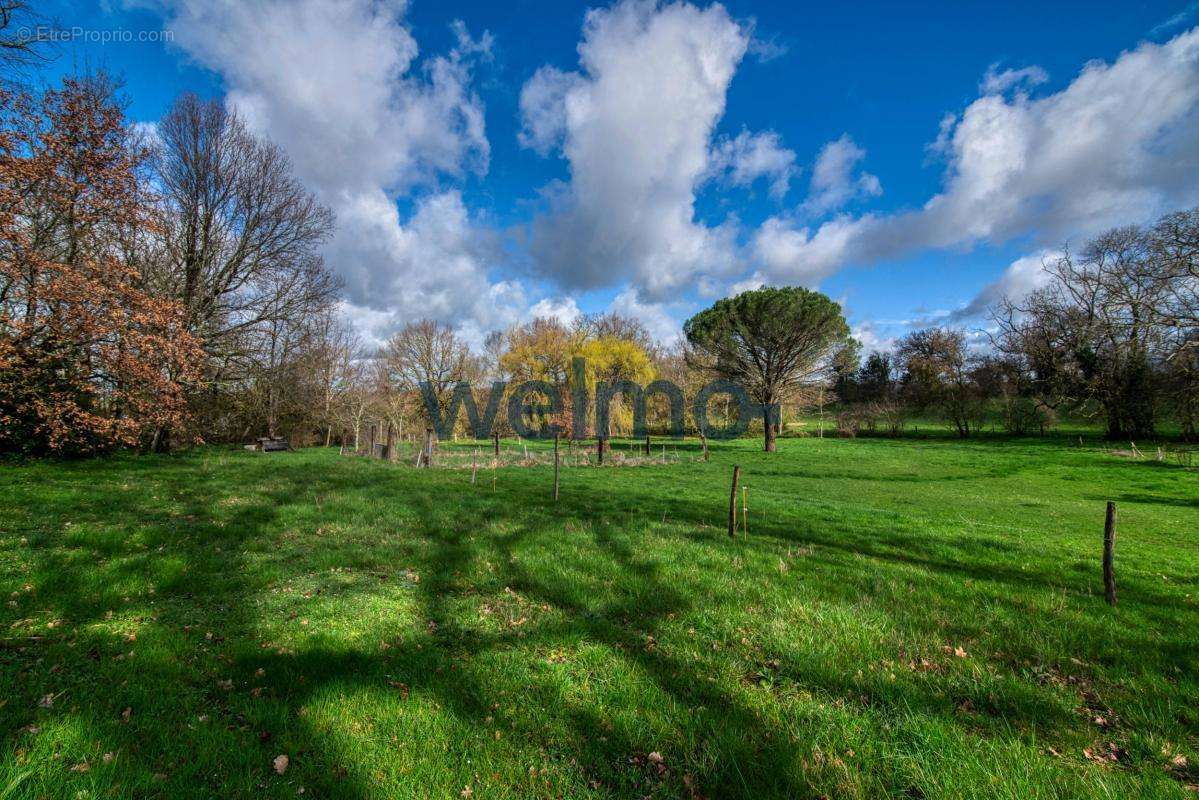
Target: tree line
<point>1112,336</point>
<point>165,287</point>
<point>154,289</point>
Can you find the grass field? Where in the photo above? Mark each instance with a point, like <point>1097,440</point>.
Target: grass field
<point>910,618</point>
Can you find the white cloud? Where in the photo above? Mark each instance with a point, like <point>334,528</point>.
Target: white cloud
<point>1117,145</point>
<point>635,125</point>
<point>996,82</point>
<point>801,255</point>
<point>872,339</point>
<point>563,309</point>
<point>833,181</point>
<point>1019,279</point>
<point>766,50</point>
<point>339,86</point>
<point>1175,21</point>
<point>543,108</point>
<point>657,318</point>
<point>743,159</point>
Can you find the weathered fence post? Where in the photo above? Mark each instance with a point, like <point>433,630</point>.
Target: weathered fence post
<point>599,448</point>
<point>733,503</point>
<point>647,445</point>
<point>371,452</point>
<point>496,437</point>
<point>429,442</point>
<point>389,444</point>
<point>704,441</point>
<point>1109,554</point>
<point>474,465</point>
<point>555,467</point>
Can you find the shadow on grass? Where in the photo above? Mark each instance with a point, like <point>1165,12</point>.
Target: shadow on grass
<point>177,530</point>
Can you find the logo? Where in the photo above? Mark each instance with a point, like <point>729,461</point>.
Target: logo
<point>522,413</point>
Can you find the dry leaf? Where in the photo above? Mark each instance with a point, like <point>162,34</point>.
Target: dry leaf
<point>280,764</point>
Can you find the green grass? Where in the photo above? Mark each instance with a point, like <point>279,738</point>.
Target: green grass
<point>918,619</point>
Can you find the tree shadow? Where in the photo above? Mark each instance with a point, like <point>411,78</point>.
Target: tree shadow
<point>203,554</point>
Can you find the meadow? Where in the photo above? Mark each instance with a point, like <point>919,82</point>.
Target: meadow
<point>918,618</point>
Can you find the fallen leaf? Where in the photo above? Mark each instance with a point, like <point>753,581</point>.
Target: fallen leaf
<point>280,764</point>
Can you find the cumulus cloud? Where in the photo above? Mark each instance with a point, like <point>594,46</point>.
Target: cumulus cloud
<point>834,182</point>
<point>661,319</point>
<point>340,85</point>
<point>543,108</point>
<point>802,255</point>
<point>872,339</point>
<point>563,309</point>
<point>1022,277</point>
<point>1117,145</point>
<point>635,124</point>
<point>741,160</point>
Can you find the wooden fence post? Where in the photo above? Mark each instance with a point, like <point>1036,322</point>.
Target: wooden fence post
<point>704,441</point>
<point>371,452</point>
<point>599,448</point>
<point>647,444</point>
<point>555,467</point>
<point>429,440</point>
<point>390,443</point>
<point>474,465</point>
<point>1109,553</point>
<point>733,503</point>
<point>496,437</point>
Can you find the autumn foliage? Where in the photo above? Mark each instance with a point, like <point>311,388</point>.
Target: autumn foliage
<point>89,359</point>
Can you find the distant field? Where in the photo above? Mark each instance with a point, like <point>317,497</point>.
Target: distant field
<point>913,618</point>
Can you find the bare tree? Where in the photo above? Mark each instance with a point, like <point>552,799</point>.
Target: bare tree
<point>615,326</point>
<point>430,353</point>
<point>331,364</point>
<point>241,233</point>
<point>20,44</point>
<point>939,373</point>
<point>1099,331</point>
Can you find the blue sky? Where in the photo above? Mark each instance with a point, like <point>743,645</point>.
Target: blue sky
<point>491,161</point>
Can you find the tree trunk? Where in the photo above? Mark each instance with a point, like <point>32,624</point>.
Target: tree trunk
<point>770,432</point>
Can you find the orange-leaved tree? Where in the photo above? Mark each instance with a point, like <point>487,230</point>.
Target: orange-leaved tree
<point>89,359</point>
